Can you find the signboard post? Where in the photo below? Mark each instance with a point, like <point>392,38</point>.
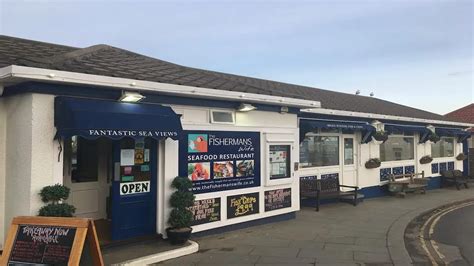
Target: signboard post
<point>50,241</point>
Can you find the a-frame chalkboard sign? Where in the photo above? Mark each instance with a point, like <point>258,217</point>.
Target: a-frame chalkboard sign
<point>51,241</point>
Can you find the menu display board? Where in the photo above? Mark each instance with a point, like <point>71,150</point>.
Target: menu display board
<point>280,161</point>
<point>206,211</point>
<point>242,205</point>
<point>220,160</point>
<point>51,241</point>
<point>277,199</point>
<point>42,245</point>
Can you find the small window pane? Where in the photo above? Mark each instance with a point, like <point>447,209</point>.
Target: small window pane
<point>280,161</point>
<point>222,117</point>
<point>348,151</point>
<point>319,151</point>
<point>84,160</point>
<point>397,149</point>
<point>443,148</point>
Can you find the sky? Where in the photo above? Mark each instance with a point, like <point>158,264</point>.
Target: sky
<point>417,53</point>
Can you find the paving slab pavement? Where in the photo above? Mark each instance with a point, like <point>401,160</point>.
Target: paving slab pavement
<point>340,234</point>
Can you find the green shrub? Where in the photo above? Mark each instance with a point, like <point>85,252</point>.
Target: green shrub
<point>55,195</point>
<point>181,200</point>
<point>57,210</point>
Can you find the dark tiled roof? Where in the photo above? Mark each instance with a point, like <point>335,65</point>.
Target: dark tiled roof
<point>464,114</point>
<point>115,62</point>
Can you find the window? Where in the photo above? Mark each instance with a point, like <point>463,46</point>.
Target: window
<point>319,151</point>
<point>397,148</point>
<point>443,148</point>
<point>222,117</point>
<point>280,161</point>
<point>83,160</point>
<point>348,151</point>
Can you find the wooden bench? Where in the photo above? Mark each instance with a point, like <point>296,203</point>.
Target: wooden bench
<point>312,188</point>
<point>399,185</point>
<point>454,177</point>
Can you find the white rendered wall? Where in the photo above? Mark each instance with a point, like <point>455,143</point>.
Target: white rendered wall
<point>32,155</point>
<point>195,118</point>
<point>3,127</point>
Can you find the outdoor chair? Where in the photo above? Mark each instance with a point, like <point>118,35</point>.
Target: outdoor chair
<point>326,189</point>
<point>454,177</point>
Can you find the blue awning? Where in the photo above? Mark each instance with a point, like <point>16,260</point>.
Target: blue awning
<point>93,119</point>
<point>395,128</point>
<point>307,125</point>
<point>461,134</point>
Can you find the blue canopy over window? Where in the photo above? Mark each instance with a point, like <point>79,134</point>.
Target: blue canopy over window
<point>423,131</point>
<point>93,119</point>
<point>456,132</point>
<point>307,125</point>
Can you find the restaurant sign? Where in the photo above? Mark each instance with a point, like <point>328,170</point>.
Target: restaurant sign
<point>277,199</point>
<point>242,205</point>
<point>220,160</point>
<point>206,211</point>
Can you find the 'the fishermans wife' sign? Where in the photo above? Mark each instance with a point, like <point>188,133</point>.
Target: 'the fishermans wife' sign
<point>220,160</point>
<point>51,241</point>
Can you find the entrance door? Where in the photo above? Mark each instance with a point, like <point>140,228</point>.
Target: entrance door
<point>349,164</point>
<point>87,176</point>
<point>134,188</point>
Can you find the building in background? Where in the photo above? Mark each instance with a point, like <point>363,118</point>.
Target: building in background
<point>66,117</point>
<point>466,114</point>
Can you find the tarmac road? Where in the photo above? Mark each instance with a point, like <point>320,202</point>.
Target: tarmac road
<point>457,229</point>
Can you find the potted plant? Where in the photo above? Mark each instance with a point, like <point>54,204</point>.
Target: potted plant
<point>380,136</point>
<point>434,138</point>
<point>373,163</point>
<point>55,195</point>
<point>426,159</point>
<point>461,157</point>
<point>180,217</point>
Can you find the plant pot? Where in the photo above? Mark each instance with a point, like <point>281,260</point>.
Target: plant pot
<point>178,236</point>
<point>426,160</point>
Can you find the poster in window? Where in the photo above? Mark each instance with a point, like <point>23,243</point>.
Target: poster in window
<point>277,199</point>
<point>206,211</point>
<point>242,205</point>
<point>220,160</point>
<point>280,161</point>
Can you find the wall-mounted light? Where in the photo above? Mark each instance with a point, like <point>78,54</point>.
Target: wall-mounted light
<point>131,97</point>
<point>245,107</point>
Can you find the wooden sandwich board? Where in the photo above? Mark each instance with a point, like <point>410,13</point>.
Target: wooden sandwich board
<point>51,241</point>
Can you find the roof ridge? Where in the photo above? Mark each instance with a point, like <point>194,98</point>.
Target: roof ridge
<point>35,41</point>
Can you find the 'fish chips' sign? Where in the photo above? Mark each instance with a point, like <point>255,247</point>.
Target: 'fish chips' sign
<point>206,211</point>
<point>242,205</point>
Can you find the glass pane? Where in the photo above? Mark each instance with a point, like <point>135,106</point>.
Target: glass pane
<point>397,149</point>
<point>443,148</point>
<point>280,161</point>
<point>222,117</point>
<point>348,151</point>
<point>319,151</point>
<point>84,160</point>
<point>135,160</point>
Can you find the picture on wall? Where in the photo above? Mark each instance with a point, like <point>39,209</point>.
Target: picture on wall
<point>197,143</point>
<point>223,169</point>
<point>220,160</point>
<point>245,168</point>
<point>199,171</point>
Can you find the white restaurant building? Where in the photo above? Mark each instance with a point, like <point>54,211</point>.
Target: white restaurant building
<point>244,142</point>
